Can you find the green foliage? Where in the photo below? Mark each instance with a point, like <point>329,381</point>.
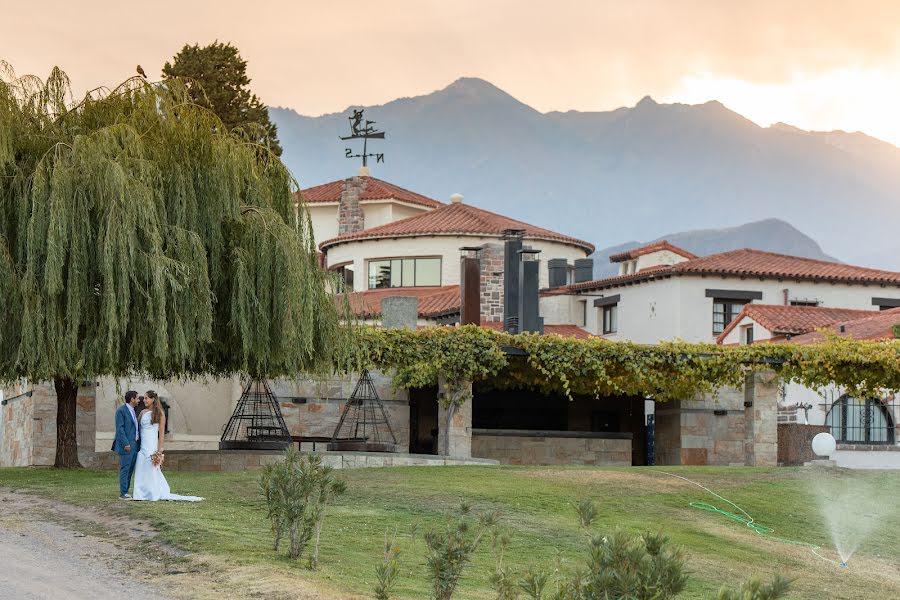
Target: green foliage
<point>297,491</point>
<point>896,330</point>
<point>137,234</point>
<point>216,78</point>
<point>587,512</point>
<point>595,366</point>
<point>450,549</point>
<point>387,570</point>
<point>756,590</point>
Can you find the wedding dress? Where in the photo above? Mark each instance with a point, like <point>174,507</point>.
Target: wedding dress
<point>149,481</point>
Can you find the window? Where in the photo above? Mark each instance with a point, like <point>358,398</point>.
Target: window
<point>724,312</point>
<point>581,313</point>
<point>856,421</point>
<point>404,272</point>
<point>611,318</point>
<point>804,302</point>
<point>747,334</point>
<point>345,274</point>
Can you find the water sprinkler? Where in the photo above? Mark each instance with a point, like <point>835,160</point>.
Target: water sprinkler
<point>844,563</point>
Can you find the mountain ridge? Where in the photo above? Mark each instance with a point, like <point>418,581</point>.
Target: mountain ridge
<point>630,173</point>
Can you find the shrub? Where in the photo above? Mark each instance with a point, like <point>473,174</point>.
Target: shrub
<point>296,491</point>
<point>387,570</point>
<point>450,549</point>
<point>755,590</point>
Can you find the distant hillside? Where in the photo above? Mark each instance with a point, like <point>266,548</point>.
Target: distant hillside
<point>772,235</point>
<point>630,173</point>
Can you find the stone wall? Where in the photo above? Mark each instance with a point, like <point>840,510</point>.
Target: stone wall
<point>795,442</point>
<point>312,407</point>
<point>29,436</point>
<point>736,427</point>
<point>515,447</point>
<point>491,256</point>
<point>241,460</point>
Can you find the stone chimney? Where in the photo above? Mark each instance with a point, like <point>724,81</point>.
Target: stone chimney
<point>350,214</point>
<point>491,259</point>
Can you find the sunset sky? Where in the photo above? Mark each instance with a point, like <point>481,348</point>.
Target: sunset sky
<point>820,65</point>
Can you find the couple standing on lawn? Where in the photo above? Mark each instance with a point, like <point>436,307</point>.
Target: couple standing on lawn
<point>139,443</point>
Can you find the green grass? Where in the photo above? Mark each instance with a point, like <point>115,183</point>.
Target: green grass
<point>535,505</point>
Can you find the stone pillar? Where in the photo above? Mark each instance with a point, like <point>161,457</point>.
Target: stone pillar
<point>491,257</point>
<point>455,422</point>
<point>350,213</point>
<point>761,419</point>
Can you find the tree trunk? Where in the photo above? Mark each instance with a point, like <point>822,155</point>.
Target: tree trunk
<point>66,442</point>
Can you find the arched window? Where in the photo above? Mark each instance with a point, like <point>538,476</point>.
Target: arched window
<point>855,421</point>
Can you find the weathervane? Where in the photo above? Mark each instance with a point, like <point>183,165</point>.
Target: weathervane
<point>360,129</point>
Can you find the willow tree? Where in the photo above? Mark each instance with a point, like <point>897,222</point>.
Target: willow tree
<point>137,236</point>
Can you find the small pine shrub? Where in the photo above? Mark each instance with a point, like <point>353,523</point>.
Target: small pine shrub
<point>449,549</point>
<point>754,589</point>
<point>387,570</point>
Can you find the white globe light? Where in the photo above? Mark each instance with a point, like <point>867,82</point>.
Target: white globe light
<point>823,444</point>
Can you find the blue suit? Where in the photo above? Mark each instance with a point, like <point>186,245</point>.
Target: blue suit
<point>126,435</point>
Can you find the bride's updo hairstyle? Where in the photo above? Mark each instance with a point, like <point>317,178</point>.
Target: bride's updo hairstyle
<point>156,413</point>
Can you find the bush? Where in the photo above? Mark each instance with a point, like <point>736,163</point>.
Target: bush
<point>296,492</point>
<point>387,570</point>
<point>450,549</point>
<point>755,590</point>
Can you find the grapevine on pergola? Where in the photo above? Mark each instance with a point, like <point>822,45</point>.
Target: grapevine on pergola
<point>138,235</point>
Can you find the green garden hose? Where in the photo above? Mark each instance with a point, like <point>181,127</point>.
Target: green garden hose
<point>744,517</point>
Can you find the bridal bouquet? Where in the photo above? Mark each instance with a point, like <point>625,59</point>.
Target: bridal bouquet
<point>157,458</point>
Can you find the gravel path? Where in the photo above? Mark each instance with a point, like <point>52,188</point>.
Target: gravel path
<point>44,560</point>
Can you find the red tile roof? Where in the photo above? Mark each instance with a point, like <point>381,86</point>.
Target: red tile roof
<point>649,249</point>
<point>456,219</point>
<point>432,300</point>
<point>563,330</point>
<point>375,189</point>
<point>792,320</point>
<point>878,326</point>
<point>755,263</point>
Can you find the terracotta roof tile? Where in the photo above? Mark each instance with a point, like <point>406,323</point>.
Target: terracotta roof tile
<point>456,219</point>
<point>649,249</point>
<point>792,320</point>
<point>375,189</point>
<point>878,326</point>
<point>432,300</point>
<point>564,330</point>
<point>755,263</point>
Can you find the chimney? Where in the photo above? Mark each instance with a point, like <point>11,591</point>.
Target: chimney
<point>350,214</point>
<point>584,269</point>
<point>558,270</point>
<point>511,247</point>
<point>470,286</point>
<point>491,263</point>
<point>529,301</point>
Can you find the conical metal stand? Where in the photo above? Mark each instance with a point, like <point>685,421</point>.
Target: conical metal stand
<point>256,423</point>
<point>364,424</point>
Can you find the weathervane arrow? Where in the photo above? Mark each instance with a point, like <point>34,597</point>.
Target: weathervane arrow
<point>362,129</point>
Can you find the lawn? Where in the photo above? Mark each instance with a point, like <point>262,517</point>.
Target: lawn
<point>535,505</point>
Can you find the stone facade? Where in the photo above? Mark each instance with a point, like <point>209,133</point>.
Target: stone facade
<point>736,427</point>
<point>550,449</point>
<point>29,429</point>
<point>795,443</point>
<point>350,213</point>
<point>312,407</point>
<point>491,257</point>
<point>241,460</point>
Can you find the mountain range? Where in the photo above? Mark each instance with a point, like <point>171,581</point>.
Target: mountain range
<point>633,173</point>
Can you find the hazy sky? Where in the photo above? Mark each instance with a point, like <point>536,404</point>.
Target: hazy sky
<point>822,64</point>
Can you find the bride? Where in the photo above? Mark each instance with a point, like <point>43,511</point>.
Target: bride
<point>149,481</point>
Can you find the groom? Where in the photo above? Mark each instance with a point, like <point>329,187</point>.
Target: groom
<point>127,441</point>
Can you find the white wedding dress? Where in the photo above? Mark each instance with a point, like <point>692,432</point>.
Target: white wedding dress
<point>149,481</point>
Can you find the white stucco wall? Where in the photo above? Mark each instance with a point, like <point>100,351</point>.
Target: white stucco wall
<point>324,220</point>
<point>446,247</point>
<point>645,313</point>
<point>654,259</point>
<point>760,333</point>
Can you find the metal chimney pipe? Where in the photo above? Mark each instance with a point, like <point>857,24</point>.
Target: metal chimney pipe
<point>470,286</point>
<point>511,247</point>
<point>529,300</point>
